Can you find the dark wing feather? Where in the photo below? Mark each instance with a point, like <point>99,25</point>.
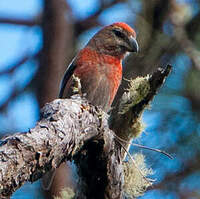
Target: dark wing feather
<point>68,73</point>
<point>97,90</point>
<point>47,179</point>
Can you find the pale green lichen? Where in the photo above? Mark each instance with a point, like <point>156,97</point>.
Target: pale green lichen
<point>137,91</point>
<point>137,128</point>
<point>135,176</point>
<point>76,85</point>
<point>66,193</point>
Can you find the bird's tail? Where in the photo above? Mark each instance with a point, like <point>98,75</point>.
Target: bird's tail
<point>48,179</point>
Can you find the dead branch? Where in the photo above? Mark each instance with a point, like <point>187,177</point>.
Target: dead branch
<point>73,129</point>
<point>125,118</point>
<point>16,91</point>
<point>64,128</point>
<point>15,65</point>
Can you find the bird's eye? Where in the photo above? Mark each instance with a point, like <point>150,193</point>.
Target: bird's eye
<point>119,34</point>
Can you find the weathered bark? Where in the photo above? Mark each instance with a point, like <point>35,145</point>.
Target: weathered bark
<point>56,54</point>
<point>64,128</point>
<point>122,124</point>
<point>73,129</point>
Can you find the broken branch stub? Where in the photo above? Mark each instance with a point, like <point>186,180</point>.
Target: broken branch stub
<point>125,119</point>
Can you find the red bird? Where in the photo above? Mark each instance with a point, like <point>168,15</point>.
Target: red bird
<point>99,68</point>
<point>99,64</point>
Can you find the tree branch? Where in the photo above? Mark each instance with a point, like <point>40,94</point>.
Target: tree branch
<point>64,127</point>
<point>12,69</point>
<point>125,118</point>
<point>23,22</point>
<point>73,129</point>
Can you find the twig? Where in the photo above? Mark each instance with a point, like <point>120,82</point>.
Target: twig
<point>144,147</point>
<point>18,63</point>
<point>23,22</point>
<point>134,163</point>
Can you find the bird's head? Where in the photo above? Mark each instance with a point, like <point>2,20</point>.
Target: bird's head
<point>116,40</point>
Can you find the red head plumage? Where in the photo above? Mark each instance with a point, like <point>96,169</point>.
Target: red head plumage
<point>125,27</point>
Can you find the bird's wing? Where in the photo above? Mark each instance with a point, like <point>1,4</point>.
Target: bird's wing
<point>68,73</point>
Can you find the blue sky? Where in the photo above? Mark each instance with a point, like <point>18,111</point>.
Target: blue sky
<point>17,41</point>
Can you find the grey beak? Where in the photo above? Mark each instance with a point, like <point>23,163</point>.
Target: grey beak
<point>134,45</point>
